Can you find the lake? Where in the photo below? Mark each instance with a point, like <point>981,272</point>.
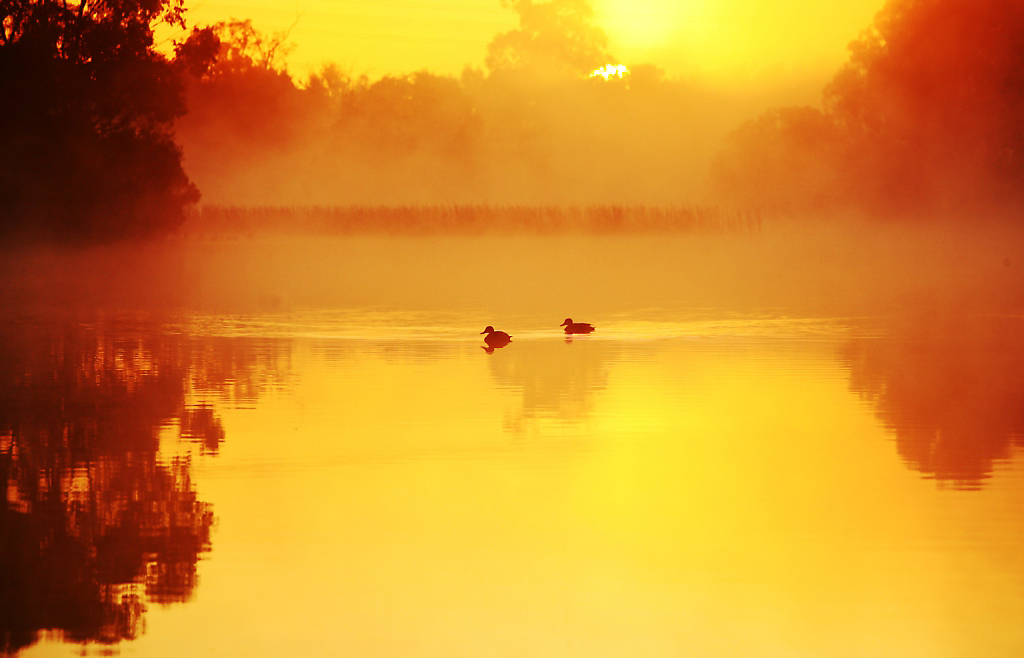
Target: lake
<point>771,446</point>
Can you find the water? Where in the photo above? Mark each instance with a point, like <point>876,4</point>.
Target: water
<point>325,476</point>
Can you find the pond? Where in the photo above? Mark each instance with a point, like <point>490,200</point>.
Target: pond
<point>299,446</point>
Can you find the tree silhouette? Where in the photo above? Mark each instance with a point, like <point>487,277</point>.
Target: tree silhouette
<point>933,95</point>
<point>86,108</point>
<point>785,153</point>
<point>924,116</point>
<point>554,38</point>
<point>534,128</point>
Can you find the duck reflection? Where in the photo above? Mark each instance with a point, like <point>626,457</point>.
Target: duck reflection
<point>951,390</point>
<point>557,379</point>
<point>93,525</point>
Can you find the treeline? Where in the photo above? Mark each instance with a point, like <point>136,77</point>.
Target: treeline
<point>926,117</point>
<point>99,140</point>
<point>531,127</point>
<point>214,220</point>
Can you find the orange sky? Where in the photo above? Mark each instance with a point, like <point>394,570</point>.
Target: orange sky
<point>732,41</point>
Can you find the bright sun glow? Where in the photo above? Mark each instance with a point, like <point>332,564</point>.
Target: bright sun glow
<point>610,71</point>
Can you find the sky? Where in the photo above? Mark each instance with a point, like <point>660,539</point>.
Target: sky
<point>726,41</point>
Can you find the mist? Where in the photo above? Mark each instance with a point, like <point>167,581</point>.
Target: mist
<point>923,121</point>
<point>532,126</point>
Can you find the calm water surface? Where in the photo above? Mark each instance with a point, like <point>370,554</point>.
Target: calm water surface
<point>362,481</point>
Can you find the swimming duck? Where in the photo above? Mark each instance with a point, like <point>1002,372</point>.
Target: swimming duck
<point>496,338</point>
<point>577,327</point>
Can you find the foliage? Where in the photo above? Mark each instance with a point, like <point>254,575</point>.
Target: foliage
<point>925,115</point>
<point>556,37</point>
<point>785,150</point>
<point>535,128</point>
<point>86,112</point>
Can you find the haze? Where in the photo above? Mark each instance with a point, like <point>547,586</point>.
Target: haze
<point>246,407</point>
<point>733,42</point>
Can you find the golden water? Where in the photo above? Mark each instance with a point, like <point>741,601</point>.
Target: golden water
<point>359,480</point>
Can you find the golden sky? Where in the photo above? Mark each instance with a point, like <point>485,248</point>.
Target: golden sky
<point>724,40</point>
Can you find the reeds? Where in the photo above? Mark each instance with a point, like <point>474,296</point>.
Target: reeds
<point>468,219</point>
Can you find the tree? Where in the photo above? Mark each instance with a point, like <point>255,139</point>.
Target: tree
<point>784,159</point>
<point>925,116</point>
<point>86,112</point>
<point>553,38</point>
<point>932,96</point>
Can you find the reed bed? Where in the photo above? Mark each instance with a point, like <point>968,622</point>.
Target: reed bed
<point>469,219</point>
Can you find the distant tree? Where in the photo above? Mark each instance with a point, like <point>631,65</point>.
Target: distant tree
<point>554,38</point>
<point>926,114</point>
<point>785,159</point>
<point>246,94</point>
<point>86,112</point>
<point>533,127</point>
<point>412,113</point>
<point>933,97</point>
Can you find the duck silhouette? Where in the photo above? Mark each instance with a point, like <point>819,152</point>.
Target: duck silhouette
<point>577,327</point>
<point>495,338</point>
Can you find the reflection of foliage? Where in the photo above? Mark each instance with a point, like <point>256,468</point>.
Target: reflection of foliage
<point>926,112</point>
<point>86,107</point>
<point>237,370</point>
<point>200,424</point>
<point>952,392</point>
<point>93,524</point>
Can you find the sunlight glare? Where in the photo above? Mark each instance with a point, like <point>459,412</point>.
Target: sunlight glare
<point>611,71</point>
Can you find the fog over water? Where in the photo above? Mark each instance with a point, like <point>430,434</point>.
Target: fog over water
<point>805,436</point>
<point>852,268</point>
<point>257,396</point>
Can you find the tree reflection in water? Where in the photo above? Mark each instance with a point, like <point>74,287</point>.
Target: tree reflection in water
<point>94,525</point>
<point>951,390</point>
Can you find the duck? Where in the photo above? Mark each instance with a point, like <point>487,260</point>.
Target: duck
<point>577,327</point>
<point>496,338</point>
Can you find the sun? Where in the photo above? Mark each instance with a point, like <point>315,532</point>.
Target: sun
<point>610,71</point>
<point>735,40</point>
<point>644,24</point>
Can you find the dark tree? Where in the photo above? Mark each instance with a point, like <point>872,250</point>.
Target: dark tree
<point>925,116</point>
<point>86,116</point>
<point>932,98</point>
